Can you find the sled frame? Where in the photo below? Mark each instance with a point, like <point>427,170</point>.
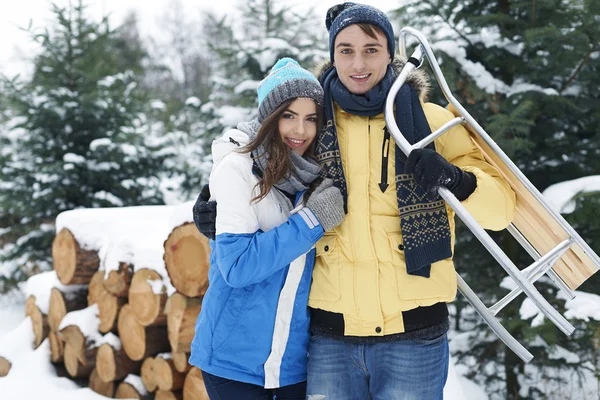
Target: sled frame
<point>557,250</point>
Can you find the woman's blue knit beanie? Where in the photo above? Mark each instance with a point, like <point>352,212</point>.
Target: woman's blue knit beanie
<point>287,80</point>
<point>343,15</point>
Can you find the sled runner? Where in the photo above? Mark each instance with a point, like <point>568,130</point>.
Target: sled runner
<point>558,251</point>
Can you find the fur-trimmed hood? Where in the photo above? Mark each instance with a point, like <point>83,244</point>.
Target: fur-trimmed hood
<point>418,78</point>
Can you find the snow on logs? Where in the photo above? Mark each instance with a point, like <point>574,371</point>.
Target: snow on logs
<point>187,260</point>
<point>72,264</point>
<point>132,388</point>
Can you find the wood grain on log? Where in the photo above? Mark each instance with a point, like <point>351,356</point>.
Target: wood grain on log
<point>63,302</point>
<point>113,364</point>
<point>168,395</point>
<point>99,386</point>
<point>127,391</point>
<point>76,367</point>
<point>182,313</point>
<point>39,321</point>
<point>180,361</point>
<point>57,347</point>
<point>147,374</point>
<point>108,311</point>
<point>117,282</point>
<point>166,376</point>
<point>73,265</point>
<point>138,341</point>
<point>96,289</point>
<point>193,388</point>
<point>187,260</point>
<point>5,367</point>
<point>147,306</point>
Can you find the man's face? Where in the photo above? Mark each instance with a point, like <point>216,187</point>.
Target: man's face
<point>361,61</point>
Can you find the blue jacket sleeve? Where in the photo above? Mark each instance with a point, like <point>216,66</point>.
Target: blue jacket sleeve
<point>246,259</point>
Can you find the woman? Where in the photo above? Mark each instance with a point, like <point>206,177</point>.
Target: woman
<point>252,334</point>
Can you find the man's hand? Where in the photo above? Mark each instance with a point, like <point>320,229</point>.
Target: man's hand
<point>432,171</point>
<point>205,213</point>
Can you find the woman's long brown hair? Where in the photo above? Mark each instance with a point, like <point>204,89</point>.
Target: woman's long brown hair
<point>279,164</point>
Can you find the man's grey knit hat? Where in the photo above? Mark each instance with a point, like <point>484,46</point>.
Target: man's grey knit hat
<point>287,80</point>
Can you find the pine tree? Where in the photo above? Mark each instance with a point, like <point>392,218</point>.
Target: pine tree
<point>527,70</point>
<point>81,130</point>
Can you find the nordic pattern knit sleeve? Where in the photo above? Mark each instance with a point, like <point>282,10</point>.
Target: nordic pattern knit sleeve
<point>493,202</point>
<point>243,252</point>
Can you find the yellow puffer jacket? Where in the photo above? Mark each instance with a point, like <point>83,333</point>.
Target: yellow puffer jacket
<point>360,270</point>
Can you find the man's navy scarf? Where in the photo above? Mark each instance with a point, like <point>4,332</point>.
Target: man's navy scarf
<point>423,221</point>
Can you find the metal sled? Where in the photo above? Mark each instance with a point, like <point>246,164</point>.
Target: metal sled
<point>558,251</point>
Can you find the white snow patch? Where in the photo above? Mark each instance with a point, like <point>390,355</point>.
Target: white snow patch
<point>560,196</point>
<point>88,322</point>
<point>193,101</point>
<point>137,383</point>
<point>166,356</point>
<point>112,340</point>
<point>41,285</point>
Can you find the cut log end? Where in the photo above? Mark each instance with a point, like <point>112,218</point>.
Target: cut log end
<point>182,313</point>
<point>73,265</point>
<point>187,260</point>
<point>99,386</point>
<point>108,310</point>
<point>193,388</point>
<point>166,376</point>
<point>74,366</point>
<point>127,391</point>
<point>39,323</point>
<point>5,367</point>
<point>147,374</point>
<point>139,341</point>
<point>117,282</point>
<point>106,366</point>
<point>57,347</point>
<point>180,361</point>
<point>63,303</point>
<point>147,306</point>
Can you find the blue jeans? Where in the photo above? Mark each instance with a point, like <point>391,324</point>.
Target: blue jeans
<point>226,389</point>
<point>400,370</point>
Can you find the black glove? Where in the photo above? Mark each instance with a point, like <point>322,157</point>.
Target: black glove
<point>432,171</point>
<point>205,213</point>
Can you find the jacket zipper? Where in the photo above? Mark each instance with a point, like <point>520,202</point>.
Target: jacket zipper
<point>385,153</point>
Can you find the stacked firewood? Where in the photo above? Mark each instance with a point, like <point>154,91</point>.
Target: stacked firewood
<point>119,331</point>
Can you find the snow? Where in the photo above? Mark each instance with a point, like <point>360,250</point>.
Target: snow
<point>112,340</point>
<point>193,101</point>
<point>32,376</point>
<point>561,196</point>
<point>232,115</point>
<point>136,382</point>
<point>40,286</point>
<point>133,235</point>
<point>88,322</point>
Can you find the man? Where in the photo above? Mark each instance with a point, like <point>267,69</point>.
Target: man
<point>383,277</point>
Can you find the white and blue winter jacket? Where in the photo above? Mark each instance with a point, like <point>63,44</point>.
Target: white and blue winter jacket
<point>254,323</point>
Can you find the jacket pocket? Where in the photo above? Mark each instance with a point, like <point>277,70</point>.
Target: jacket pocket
<point>326,273</point>
<point>397,249</point>
<point>232,311</point>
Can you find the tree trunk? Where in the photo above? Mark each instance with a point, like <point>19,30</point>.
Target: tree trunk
<point>138,341</point>
<point>166,376</point>
<point>117,282</point>
<point>187,260</point>
<point>180,361</point>
<point>99,386</point>
<point>168,395</point>
<point>127,391</point>
<point>147,374</point>
<point>182,313</point>
<point>193,388</point>
<point>73,265</point>
<point>39,321</point>
<point>114,365</point>
<point>57,347</point>
<point>5,367</point>
<point>76,367</point>
<point>63,302</point>
<point>147,306</point>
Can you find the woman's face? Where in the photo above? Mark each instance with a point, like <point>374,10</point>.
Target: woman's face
<point>298,125</point>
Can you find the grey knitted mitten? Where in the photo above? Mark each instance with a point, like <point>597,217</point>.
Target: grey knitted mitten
<point>327,203</point>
